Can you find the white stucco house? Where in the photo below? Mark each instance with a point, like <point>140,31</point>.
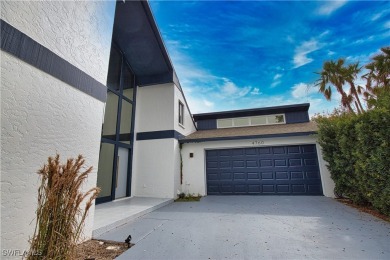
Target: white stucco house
<point>95,78</point>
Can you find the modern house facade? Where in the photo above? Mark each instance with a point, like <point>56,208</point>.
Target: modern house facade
<point>95,78</point>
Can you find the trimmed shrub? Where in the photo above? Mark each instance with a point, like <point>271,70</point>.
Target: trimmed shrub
<point>357,149</point>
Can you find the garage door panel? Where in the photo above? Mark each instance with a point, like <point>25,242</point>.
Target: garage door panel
<point>240,176</point>
<point>278,150</point>
<point>297,175</point>
<point>251,151</point>
<point>226,176</point>
<point>298,188</point>
<point>252,164</point>
<point>238,164</point>
<point>268,188</point>
<point>294,149</point>
<point>266,163</point>
<point>280,163</point>
<point>240,188</point>
<point>281,176</point>
<point>264,170</point>
<point>267,175</point>
<point>254,188</point>
<point>295,162</point>
<point>283,188</point>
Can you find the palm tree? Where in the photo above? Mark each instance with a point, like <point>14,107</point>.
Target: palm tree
<point>350,74</point>
<point>378,77</point>
<point>333,73</point>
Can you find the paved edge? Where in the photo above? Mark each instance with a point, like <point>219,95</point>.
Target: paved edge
<point>100,231</point>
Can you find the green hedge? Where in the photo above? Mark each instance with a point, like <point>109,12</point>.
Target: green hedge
<point>357,149</point>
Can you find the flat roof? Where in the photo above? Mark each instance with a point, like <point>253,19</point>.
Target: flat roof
<point>249,132</point>
<point>253,111</point>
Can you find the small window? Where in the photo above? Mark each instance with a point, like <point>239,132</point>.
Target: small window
<point>275,119</point>
<point>181,113</point>
<point>223,123</point>
<point>241,122</point>
<point>258,120</point>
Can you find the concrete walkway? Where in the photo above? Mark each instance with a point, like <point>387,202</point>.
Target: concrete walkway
<point>119,212</point>
<point>253,227</point>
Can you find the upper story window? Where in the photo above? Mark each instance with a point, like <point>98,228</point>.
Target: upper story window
<point>181,113</point>
<point>251,121</point>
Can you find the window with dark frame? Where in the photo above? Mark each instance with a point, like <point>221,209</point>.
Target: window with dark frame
<point>181,113</point>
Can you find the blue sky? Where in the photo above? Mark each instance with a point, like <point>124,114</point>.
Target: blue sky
<point>247,54</point>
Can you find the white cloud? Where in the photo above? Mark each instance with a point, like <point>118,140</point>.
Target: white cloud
<point>229,90</point>
<point>302,90</point>
<point>301,52</point>
<point>256,91</point>
<point>277,76</point>
<point>328,8</point>
<point>275,83</point>
<point>387,25</point>
<point>207,103</point>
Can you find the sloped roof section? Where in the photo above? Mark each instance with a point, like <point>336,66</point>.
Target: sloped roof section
<point>250,132</point>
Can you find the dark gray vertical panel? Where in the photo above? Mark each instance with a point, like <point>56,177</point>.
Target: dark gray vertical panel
<point>207,124</point>
<point>297,117</point>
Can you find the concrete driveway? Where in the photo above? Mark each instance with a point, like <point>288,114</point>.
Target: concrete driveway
<point>253,227</point>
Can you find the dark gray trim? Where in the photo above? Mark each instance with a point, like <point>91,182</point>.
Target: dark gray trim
<point>297,117</point>
<point>165,134</point>
<point>207,124</point>
<point>23,47</point>
<point>199,140</point>
<point>253,112</point>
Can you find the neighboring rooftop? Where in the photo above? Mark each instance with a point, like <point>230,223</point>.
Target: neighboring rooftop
<point>253,112</point>
<point>250,132</point>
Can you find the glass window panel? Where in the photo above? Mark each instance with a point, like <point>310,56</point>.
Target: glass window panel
<point>128,83</point>
<point>181,113</point>
<point>275,119</point>
<point>258,120</point>
<point>114,70</point>
<point>222,123</point>
<point>241,121</point>
<point>125,124</point>
<point>110,114</point>
<point>105,169</point>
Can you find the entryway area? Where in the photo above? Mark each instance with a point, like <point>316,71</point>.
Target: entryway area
<point>111,215</point>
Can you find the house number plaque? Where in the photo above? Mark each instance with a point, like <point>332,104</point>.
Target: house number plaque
<point>257,142</point>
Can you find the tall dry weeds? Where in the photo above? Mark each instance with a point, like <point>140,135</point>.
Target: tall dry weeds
<point>59,217</point>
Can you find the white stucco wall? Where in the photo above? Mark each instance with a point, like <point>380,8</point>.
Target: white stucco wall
<point>77,31</point>
<point>194,169</point>
<point>42,116</point>
<point>156,163</point>
<point>153,168</point>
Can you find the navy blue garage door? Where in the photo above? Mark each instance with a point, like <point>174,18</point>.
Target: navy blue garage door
<point>283,170</point>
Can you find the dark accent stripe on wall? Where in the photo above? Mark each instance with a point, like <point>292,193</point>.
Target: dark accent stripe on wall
<point>200,140</point>
<point>165,134</point>
<point>23,47</point>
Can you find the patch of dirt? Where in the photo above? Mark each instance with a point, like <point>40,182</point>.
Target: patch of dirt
<point>100,250</point>
<point>186,199</point>
<point>366,209</point>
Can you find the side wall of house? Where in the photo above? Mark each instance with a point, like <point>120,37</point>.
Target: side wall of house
<point>42,115</point>
<point>194,169</point>
<point>156,159</point>
<point>187,128</point>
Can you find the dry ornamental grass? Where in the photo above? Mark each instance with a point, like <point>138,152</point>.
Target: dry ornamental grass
<point>59,217</point>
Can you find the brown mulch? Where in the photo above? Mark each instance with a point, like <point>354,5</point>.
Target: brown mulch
<point>366,209</point>
<point>95,250</point>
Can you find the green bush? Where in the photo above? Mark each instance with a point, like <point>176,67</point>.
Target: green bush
<point>357,149</point>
